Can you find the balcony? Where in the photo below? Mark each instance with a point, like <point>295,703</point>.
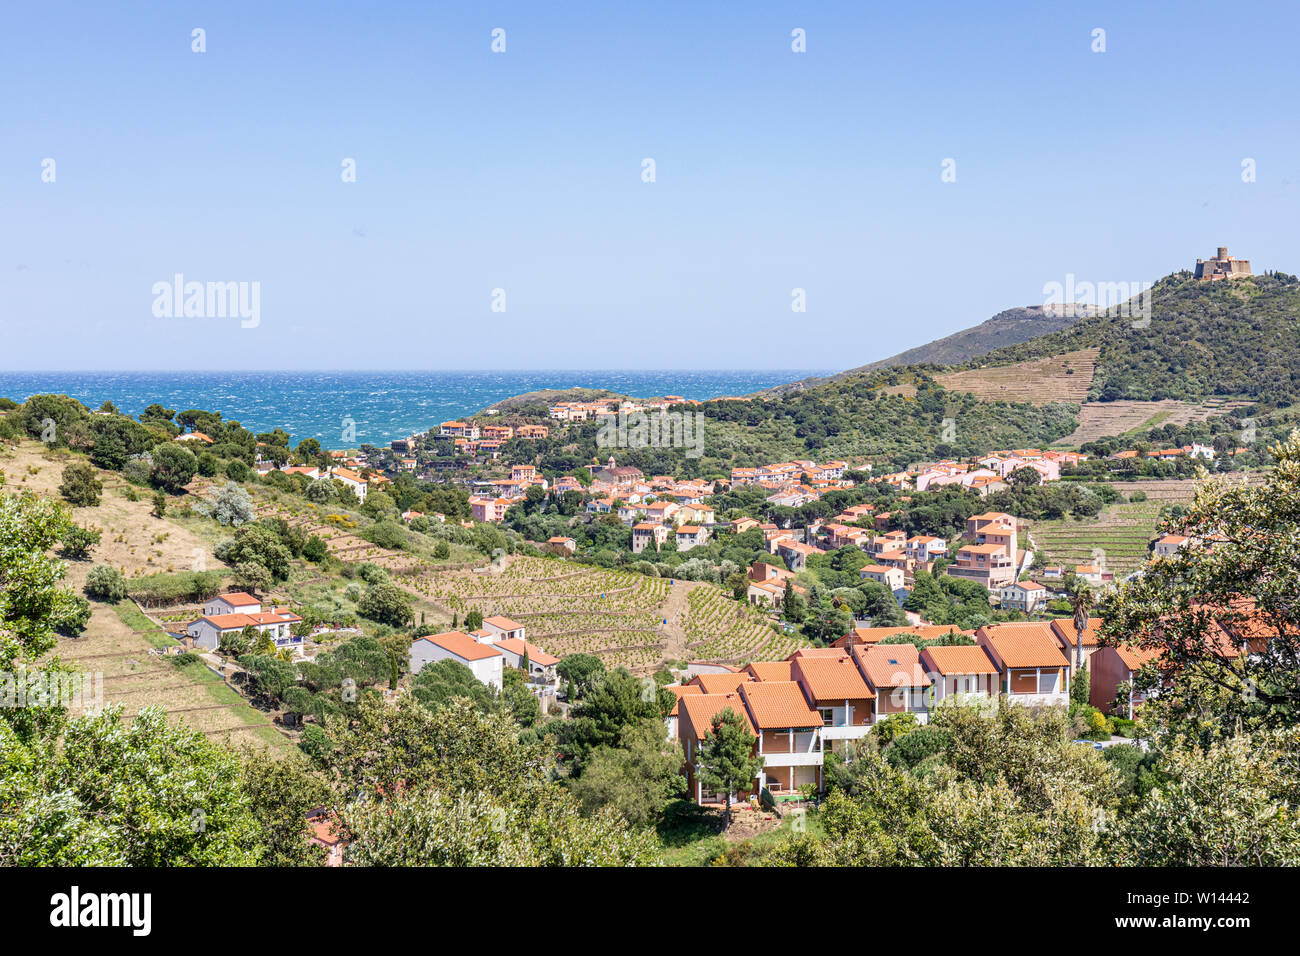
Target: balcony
<point>847,732</point>
<point>805,759</point>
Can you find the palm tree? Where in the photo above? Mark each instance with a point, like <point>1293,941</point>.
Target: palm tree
<point>1081,601</point>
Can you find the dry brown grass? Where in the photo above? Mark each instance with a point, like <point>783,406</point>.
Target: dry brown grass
<point>131,538</point>
<point>1058,378</point>
<point>1102,419</point>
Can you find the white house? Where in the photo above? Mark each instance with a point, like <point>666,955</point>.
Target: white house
<point>229,613</point>
<point>352,480</point>
<point>483,660</point>
<point>236,602</point>
<point>891,578</point>
<point>1026,596</point>
<point>1170,545</point>
<point>502,627</point>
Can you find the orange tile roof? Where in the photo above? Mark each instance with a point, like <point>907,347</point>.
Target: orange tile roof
<point>462,645</point>
<point>958,660</point>
<point>1063,630</point>
<point>817,652</point>
<point>771,670</point>
<point>680,691</point>
<point>831,678</point>
<point>1025,644</point>
<point>238,599</point>
<point>503,622</point>
<point>1135,658</point>
<point>696,712</point>
<point>231,622</point>
<point>892,665</point>
<point>926,632</point>
<point>720,683</point>
<point>535,654</point>
<point>776,704</point>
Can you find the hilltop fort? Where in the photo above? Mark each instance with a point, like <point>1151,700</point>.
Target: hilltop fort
<point>1222,266</point>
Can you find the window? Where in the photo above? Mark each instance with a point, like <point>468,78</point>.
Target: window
<point>828,716</point>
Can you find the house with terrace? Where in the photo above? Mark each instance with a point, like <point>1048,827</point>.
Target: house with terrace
<point>789,735</point>
<point>897,678</point>
<point>1110,669</point>
<point>1032,668</point>
<point>1065,635</point>
<point>231,613</point>
<point>695,713</point>
<point>837,690</point>
<point>483,659</point>
<point>960,673</point>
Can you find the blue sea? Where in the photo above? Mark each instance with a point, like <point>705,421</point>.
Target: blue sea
<point>383,405</point>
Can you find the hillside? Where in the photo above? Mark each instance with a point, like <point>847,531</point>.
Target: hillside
<point>1238,338</point>
<point>1009,327</point>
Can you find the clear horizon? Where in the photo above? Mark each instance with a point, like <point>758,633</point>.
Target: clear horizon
<point>523,171</point>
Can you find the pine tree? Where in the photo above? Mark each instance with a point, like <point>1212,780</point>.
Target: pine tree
<point>727,759</point>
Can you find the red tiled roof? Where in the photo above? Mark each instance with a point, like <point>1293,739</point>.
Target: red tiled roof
<point>777,704</point>
<point>831,678</point>
<point>1063,630</point>
<point>696,712</point>
<point>1025,644</point>
<point>958,660</point>
<point>720,683</point>
<point>462,645</point>
<point>892,665</point>
<point>771,670</point>
<point>535,654</point>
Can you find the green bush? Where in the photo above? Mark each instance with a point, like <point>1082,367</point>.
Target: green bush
<point>106,583</point>
<point>80,486</point>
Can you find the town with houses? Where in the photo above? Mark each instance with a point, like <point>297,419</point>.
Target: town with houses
<point>817,700</point>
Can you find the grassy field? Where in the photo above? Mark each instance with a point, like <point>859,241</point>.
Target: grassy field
<point>692,836</point>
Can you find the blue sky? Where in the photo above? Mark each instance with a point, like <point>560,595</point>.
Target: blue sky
<point>522,171</point>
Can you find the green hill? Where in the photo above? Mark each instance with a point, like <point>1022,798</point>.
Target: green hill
<point>1233,338</point>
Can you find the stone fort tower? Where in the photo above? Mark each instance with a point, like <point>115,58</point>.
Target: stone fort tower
<point>1222,266</point>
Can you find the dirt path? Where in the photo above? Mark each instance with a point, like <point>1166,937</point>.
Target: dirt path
<point>675,610</point>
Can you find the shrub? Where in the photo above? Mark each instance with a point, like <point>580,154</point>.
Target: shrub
<point>73,619</point>
<point>229,505</point>
<point>386,534</point>
<point>77,541</point>
<point>138,469</point>
<point>106,583</point>
<point>174,466</point>
<point>237,470</point>
<point>315,550</point>
<point>386,603</point>
<point>320,491</point>
<point>80,486</point>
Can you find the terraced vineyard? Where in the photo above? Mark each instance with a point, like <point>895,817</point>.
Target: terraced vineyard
<point>1098,419</point>
<point>1057,378</point>
<point>627,619</point>
<point>1117,537</point>
<point>718,628</point>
